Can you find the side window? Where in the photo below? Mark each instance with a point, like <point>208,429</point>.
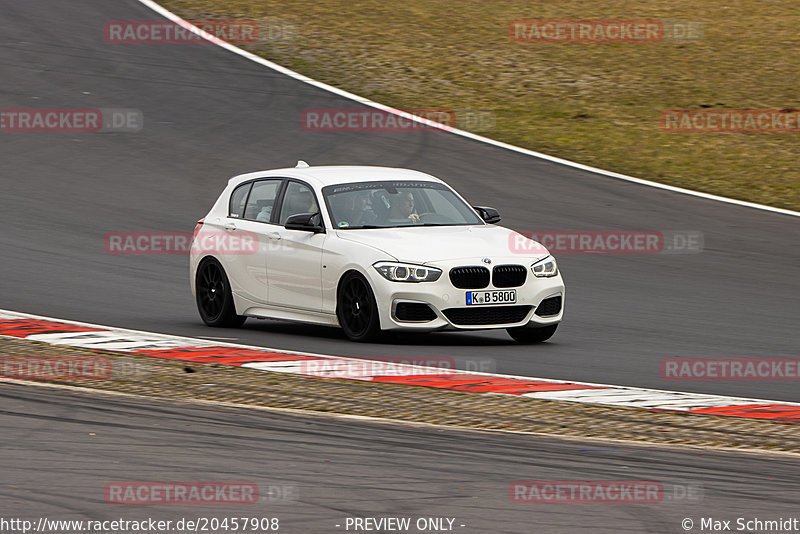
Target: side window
<point>238,198</point>
<point>262,200</point>
<point>298,199</point>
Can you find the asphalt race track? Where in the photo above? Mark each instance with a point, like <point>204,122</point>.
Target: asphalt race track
<point>210,114</point>
<point>61,449</point>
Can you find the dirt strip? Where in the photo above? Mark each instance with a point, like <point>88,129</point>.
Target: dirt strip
<point>167,378</point>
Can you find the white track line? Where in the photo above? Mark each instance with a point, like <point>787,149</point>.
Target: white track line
<point>367,102</point>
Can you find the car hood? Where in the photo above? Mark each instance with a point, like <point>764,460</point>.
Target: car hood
<point>423,244</point>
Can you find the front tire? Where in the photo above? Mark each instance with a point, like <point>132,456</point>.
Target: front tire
<point>214,297</point>
<point>356,308</point>
<point>531,334</point>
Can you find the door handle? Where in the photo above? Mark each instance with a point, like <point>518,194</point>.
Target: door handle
<point>274,235</point>
<point>229,226</point>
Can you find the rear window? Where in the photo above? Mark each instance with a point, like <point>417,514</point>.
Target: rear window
<point>261,201</point>
<point>238,198</point>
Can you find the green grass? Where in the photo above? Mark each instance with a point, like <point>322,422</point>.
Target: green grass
<point>597,104</point>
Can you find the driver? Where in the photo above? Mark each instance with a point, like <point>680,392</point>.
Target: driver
<point>403,208</point>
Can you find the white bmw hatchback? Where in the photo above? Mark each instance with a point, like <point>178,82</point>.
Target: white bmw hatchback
<point>368,249</point>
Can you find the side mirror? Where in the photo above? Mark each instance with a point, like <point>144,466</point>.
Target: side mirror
<point>308,222</point>
<point>490,215</point>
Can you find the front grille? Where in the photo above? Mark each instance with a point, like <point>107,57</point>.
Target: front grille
<point>509,275</point>
<point>487,315</point>
<point>414,312</point>
<point>470,277</point>
<point>549,306</point>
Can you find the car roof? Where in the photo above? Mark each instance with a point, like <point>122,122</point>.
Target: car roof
<point>338,174</point>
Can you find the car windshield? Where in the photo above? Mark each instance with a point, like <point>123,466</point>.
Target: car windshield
<point>393,204</point>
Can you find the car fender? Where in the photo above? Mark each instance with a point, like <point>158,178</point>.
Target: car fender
<point>339,257</point>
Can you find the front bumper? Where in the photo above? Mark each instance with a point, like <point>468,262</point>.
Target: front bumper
<point>448,303</point>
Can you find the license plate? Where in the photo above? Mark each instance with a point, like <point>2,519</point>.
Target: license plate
<point>481,298</point>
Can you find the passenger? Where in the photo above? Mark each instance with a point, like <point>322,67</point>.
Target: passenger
<point>362,214</point>
<point>265,214</point>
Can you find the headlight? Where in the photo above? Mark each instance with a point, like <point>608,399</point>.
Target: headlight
<point>545,268</point>
<point>407,272</point>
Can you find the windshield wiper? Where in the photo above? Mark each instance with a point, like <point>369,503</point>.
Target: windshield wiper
<point>372,226</point>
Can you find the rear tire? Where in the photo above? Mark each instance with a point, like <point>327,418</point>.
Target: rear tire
<point>356,308</point>
<point>531,334</point>
<point>214,297</point>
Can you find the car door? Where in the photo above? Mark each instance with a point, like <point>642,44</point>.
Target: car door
<point>294,258</point>
<point>250,221</point>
